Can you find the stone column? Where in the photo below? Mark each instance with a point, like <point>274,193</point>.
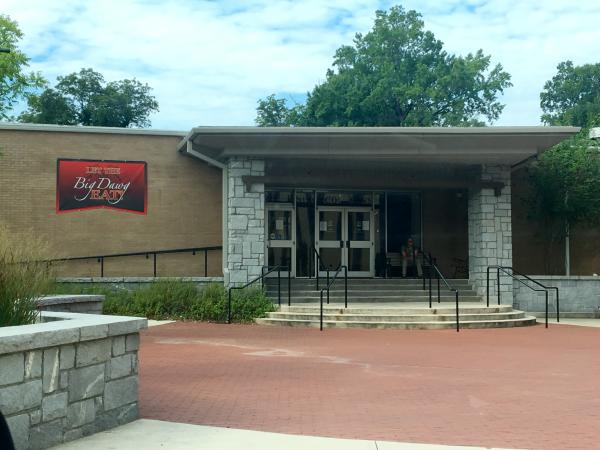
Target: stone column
<point>246,221</point>
<point>490,233</point>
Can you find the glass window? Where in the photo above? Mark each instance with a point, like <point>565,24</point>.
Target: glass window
<point>333,198</point>
<point>331,258</point>
<point>279,196</point>
<point>280,256</point>
<point>359,225</point>
<point>404,220</point>
<point>330,225</point>
<point>359,259</point>
<point>305,233</point>
<point>280,225</point>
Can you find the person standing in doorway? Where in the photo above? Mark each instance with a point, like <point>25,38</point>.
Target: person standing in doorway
<point>411,256</point>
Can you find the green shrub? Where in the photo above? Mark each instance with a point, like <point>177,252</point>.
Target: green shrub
<point>178,300</point>
<point>23,276</point>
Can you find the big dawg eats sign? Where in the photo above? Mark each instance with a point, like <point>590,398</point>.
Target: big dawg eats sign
<point>87,184</point>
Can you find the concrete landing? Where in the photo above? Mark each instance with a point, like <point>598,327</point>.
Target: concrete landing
<point>158,435</point>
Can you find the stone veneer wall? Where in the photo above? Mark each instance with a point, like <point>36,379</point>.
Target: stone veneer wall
<point>490,232</point>
<point>65,379</point>
<point>131,283</point>
<point>246,221</point>
<point>579,295</point>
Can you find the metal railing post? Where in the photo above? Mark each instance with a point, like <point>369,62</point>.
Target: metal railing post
<point>498,286</point>
<point>229,307</point>
<point>423,276</point>
<point>289,286</point>
<point>346,287</point>
<point>487,287</point>
<point>154,262</point>
<point>279,287</point>
<point>557,307</point>
<point>205,263</point>
<point>102,267</point>
<point>457,323</point>
<point>430,286</point>
<point>438,286</point>
<point>321,319</point>
<point>328,286</point>
<point>546,308</point>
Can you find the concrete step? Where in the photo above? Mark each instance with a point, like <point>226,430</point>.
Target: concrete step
<point>366,292</point>
<point>410,317</point>
<point>365,282</point>
<point>397,317</point>
<point>405,325</point>
<point>412,309</point>
<point>373,299</point>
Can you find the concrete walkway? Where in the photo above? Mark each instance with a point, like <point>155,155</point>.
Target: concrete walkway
<point>594,323</point>
<point>158,435</point>
<point>530,387</point>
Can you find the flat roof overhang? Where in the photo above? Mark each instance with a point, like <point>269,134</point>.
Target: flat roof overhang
<point>477,145</point>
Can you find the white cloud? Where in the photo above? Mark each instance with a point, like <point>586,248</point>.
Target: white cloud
<point>210,61</point>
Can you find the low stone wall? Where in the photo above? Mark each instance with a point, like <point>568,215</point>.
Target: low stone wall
<point>70,376</point>
<point>85,304</point>
<point>579,296</point>
<point>131,283</point>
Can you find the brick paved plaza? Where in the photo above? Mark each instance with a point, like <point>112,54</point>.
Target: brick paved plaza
<point>517,388</point>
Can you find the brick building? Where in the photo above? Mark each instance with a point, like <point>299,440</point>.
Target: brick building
<point>273,196</point>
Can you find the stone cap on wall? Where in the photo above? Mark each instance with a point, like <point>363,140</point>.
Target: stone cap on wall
<point>137,279</point>
<point>58,328</point>
<point>48,300</point>
<point>566,278</point>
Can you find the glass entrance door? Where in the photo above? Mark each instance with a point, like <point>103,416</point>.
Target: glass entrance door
<point>345,237</point>
<point>359,242</point>
<point>330,239</point>
<point>280,242</point>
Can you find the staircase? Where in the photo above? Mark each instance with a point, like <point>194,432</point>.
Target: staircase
<point>388,303</point>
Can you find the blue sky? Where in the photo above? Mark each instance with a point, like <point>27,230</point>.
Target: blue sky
<point>210,61</point>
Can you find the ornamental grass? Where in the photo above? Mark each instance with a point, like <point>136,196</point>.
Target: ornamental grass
<point>24,276</point>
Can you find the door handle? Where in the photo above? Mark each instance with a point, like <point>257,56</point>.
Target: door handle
<point>341,244</point>
<point>348,244</point>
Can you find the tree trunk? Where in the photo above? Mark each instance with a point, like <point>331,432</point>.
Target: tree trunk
<point>567,249</point>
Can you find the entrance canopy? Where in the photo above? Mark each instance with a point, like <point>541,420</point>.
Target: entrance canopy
<point>477,145</point>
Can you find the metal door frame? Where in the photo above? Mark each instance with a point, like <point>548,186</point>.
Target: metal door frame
<point>281,243</point>
<point>370,244</point>
<point>343,245</point>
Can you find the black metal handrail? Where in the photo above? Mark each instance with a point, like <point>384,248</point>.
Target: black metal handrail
<point>433,264</point>
<point>100,258</point>
<point>327,288</point>
<point>512,274</point>
<point>318,264</point>
<point>289,277</point>
<point>261,277</point>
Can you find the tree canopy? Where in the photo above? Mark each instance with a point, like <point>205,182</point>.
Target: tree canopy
<point>398,74</point>
<point>85,98</point>
<point>572,96</point>
<point>566,192</point>
<point>566,182</point>
<point>15,82</point>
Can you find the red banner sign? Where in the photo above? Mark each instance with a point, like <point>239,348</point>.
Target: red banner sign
<point>87,184</point>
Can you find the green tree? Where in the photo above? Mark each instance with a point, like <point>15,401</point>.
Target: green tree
<point>566,191</point>
<point>398,74</point>
<point>84,98</point>
<point>15,82</point>
<point>572,96</point>
<point>273,112</point>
